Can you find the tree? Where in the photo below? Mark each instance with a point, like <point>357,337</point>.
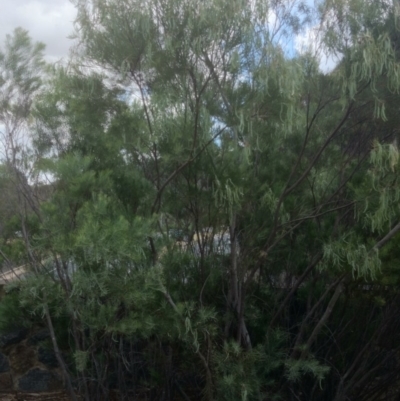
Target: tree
<point>221,210</point>
<point>22,69</point>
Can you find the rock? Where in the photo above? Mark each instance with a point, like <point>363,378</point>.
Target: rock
<point>39,380</point>
<point>6,382</point>
<point>38,337</point>
<point>47,357</point>
<point>4,365</point>
<point>13,337</point>
<point>21,358</point>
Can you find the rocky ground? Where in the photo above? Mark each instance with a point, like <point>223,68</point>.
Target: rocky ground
<point>17,396</point>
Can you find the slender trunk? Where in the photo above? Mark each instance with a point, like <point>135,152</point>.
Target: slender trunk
<point>309,315</point>
<point>323,319</point>
<point>340,391</point>
<point>80,347</point>
<point>233,291</point>
<point>234,272</point>
<point>59,357</point>
<point>209,382</point>
<point>294,288</point>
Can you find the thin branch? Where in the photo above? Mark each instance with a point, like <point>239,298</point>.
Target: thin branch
<point>306,272</point>
<point>324,319</point>
<point>387,237</point>
<point>181,167</point>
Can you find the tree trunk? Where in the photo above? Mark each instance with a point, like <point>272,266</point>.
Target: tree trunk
<point>323,319</point>
<point>59,357</point>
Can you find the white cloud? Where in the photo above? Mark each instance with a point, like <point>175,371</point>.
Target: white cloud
<point>48,21</point>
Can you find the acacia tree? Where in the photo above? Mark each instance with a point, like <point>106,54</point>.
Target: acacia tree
<point>217,203</point>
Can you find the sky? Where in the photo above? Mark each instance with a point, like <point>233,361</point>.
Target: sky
<point>48,21</point>
<point>309,40</point>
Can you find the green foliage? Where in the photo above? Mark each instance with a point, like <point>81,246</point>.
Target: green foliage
<point>12,314</point>
<point>250,375</point>
<point>21,67</point>
<point>296,369</point>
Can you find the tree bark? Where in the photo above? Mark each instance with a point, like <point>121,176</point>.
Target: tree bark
<point>323,319</point>
<point>60,360</point>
